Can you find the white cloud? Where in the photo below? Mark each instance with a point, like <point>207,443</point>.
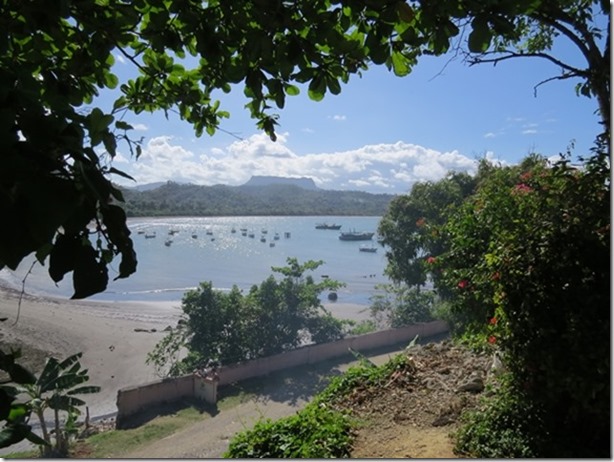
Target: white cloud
<point>529,131</point>
<point>391,168</point>
<point>339,117</point>
<point>120,58</point>
<point>489,135</point>
<point>140,127</point>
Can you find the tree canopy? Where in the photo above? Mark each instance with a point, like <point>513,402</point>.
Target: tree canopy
<point>56,58</point>
<point>275,316</point>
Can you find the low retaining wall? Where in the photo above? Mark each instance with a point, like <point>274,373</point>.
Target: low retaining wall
<point>132,400</point>
<point>315,353</point>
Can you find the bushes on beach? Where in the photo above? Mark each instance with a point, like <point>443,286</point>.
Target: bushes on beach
<point>275,316</point>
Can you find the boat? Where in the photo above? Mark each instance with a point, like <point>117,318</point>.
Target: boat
<point>287,235</point>
<point>276,237</point>
<point>172,232</point>
<point>356,236</point>
<point>150,236</point>
<point>365,248</point>
<point>168,242</point>
<point>271,244</point>
<point>141,231</point>
<point>262,239</point>
<point>233,230</point>
<point>194,236</point>
<point>209,232</point>
<point>328,226</point>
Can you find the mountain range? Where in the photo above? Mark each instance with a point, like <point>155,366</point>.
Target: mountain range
<point>261,195</point>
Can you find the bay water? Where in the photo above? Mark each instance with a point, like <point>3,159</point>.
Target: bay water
<point>205,249</point>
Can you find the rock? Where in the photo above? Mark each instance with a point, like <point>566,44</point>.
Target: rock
<point>474,384</point>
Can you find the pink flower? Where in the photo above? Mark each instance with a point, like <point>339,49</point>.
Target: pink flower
<point>526,176</point>
<point>431,260</point>
<point>522,188</point>
<point>463,284</point>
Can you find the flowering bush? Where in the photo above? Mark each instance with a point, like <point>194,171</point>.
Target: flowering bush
<point>529,259</point>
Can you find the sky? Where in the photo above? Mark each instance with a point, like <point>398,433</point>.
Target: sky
<point>382,133</point>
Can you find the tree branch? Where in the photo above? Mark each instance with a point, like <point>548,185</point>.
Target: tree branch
<point>558,77</point>
<point>473,60</point>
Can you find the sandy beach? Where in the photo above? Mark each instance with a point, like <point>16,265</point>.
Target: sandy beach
<point>114,337</point>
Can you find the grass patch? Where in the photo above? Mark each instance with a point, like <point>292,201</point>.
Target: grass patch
<point>116,443</point>
<point>31,454</point>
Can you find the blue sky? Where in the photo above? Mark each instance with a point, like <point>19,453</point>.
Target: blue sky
<point>382,133</point>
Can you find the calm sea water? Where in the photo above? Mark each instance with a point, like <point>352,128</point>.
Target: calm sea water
<point>224,258</point>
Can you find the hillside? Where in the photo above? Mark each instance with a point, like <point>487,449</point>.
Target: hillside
<point>173,199</point>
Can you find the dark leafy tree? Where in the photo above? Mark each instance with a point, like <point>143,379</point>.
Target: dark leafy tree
<point>275,316</point>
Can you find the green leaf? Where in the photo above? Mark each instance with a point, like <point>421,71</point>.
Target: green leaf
<point>12,434</point>
<point>121,125</point>
<point>18,412</point>
<point>291,90</point>
<point>333,85</point>
<point>400,65</point>
<point>85,390</point>
<point>34,438</point>
<point>21,375</point>
<point>317,88</point>
<point>63,255</point>
<point>89,276</point>
<point>480,36</point>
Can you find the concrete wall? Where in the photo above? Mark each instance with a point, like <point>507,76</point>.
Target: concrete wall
<point>315,353</point>
<point>132,400</point>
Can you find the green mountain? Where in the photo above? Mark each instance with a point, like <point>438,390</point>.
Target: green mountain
<point>270,198</point>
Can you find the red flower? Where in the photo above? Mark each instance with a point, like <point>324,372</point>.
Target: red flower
<point>420,222</point>
<point>492,339</point>
<point>431,260</point>
<point>496,276</point>
<point>493,321</point>
<point>463,284</point>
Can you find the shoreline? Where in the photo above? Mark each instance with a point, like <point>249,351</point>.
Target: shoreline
<point>114,337</point>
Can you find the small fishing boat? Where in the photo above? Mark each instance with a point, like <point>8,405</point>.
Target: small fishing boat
<point>365,248</point>
<point>328,226</point>
<point>356,236</point>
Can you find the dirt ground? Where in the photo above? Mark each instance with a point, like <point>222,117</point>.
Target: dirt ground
<point>415,412</point>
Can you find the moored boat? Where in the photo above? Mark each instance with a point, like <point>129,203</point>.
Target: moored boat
<point>366,248</point>
<point>328,226</point>
<point>356,236</point>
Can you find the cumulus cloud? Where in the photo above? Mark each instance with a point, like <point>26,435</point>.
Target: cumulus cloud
<point>339,117</point>
<point>389,168</point>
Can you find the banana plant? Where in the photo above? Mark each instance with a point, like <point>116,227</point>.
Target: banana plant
<point>55,389</point>
<point>15,414</point>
